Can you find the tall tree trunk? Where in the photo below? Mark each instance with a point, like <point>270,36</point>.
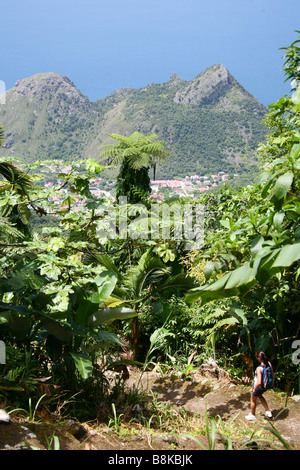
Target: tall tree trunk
<point>154,170</point>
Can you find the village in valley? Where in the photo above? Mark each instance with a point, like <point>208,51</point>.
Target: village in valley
<point>190,186</point>
<point>162,189</point>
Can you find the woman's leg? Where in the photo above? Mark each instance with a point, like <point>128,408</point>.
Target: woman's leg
<point>264,403</point>
<point>253,404</point>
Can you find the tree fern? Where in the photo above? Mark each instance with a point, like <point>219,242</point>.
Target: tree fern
<point>135,155</point>
<point>140,150</point>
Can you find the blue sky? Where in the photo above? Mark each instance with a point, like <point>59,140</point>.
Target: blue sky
<point>104,45</point>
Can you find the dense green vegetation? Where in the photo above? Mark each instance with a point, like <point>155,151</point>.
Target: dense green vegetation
<point>70,300</point>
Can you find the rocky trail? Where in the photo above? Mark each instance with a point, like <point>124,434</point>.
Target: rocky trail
<point>189,400</point>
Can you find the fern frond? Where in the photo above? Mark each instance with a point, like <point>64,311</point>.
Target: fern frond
<point>138,150</point>
<point>8,230</point>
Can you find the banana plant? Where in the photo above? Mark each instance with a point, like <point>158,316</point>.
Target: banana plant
<point>134,286</point>
<point>271,253</point>
<point>83,316</point>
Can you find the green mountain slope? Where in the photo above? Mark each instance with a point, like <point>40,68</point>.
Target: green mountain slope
<point>45,116</point>
<point>210,123</point>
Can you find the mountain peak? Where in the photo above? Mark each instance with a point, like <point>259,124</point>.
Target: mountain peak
<point>36,84</point>
<point>62,95</point>
<point>38,78</point>
<point>174,77</point>
<point>205,85</point>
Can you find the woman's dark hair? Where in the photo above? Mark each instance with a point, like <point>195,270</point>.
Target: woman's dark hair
<point>261,356</point>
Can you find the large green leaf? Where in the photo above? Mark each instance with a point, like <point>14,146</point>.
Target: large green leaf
<point>283,185</point>
<point>265,265</point>
<point>83,364</point>
<point>15,308</point>
<point>61,330</point>
<point>109,315</point>
<point>106,283</point>
<point>209,269</point>
<point>62,333</point>
<point>228,285</point>
<point>256,245</point>
<point>278,219</point>
<point>245,277</point>
<point>287,255</point>
<point>219,284</point>
<point>241,276</point>
<point>86,307</point>
<point>206,293</point>
<point>238,313</point>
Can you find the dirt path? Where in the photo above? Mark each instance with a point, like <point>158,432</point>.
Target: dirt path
<point>223,397</point>
<point>219,395</point>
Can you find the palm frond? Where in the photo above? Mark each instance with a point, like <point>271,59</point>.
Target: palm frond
<point>15,176</point>
<point>103,260</point>
<point>150,269</point>
<point>181,280</point>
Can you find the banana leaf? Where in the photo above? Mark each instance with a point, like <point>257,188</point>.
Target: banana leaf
<point>108,315</point>
<point>83,364</point>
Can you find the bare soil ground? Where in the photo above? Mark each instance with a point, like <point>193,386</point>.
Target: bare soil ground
<point>186,400</point>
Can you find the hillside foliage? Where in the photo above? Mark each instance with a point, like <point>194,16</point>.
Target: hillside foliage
<point>73,304</point>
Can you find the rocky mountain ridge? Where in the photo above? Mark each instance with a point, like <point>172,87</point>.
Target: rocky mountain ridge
<point>210,123</point>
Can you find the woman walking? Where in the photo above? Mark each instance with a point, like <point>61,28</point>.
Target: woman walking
<point>263,380</point>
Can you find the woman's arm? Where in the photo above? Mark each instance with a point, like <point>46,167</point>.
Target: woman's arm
<point>272,374</point>
<point>258,382</point>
